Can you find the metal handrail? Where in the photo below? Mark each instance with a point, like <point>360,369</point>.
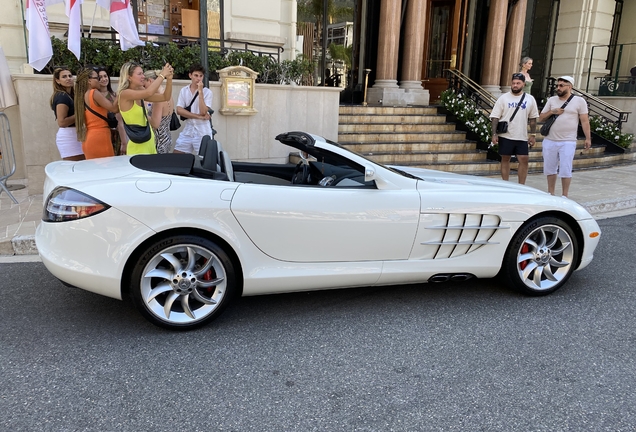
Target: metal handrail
<point>273,51</point>
<point>595,105</point>
<point>463,84</point>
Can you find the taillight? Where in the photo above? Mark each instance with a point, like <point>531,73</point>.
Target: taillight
<point>64,204</point>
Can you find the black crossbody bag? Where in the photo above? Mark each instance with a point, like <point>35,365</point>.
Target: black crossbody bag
<point>545,129</point>
<point>502,127</point>
<point>111,120</point>
<point>189,107</point>
<point>137,133</point>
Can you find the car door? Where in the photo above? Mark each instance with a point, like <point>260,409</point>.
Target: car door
<point>328,224</point>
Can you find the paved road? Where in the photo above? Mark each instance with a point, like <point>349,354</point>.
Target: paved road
<point>452,357</point>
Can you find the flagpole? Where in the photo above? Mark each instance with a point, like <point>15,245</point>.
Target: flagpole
<point>93,20</point>
<point>26,44</point>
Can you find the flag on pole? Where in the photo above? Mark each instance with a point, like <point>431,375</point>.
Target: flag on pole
<point>40,49</point>
<point>122,20</point>
<point>73,12</point>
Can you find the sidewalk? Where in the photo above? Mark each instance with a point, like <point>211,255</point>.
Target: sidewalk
<point>605,193</point>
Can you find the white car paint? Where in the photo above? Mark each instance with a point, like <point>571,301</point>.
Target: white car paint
<point>291,238</point>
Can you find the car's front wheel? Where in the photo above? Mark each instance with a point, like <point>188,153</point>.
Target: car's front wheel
<point>182,282</point>
<point>541,256</point>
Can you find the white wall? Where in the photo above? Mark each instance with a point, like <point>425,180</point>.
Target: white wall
<point>262,21</point>
<point>581,25</point>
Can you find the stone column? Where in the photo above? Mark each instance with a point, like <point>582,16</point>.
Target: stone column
<point>385,90</point>
<point>513,45</point>
<point>493,53</point>
<point>413,54</point>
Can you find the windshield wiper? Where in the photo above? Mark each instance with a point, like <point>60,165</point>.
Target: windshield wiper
<point>404,173</point>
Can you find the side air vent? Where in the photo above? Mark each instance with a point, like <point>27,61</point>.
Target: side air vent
<point>454,234</point>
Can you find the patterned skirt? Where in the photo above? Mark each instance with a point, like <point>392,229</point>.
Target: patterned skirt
<point>163,137</point>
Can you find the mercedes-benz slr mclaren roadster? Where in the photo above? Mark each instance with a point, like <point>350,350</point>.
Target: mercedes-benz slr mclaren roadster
<point>182,235</point>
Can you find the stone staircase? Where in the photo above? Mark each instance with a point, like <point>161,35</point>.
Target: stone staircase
<point>420,137</point>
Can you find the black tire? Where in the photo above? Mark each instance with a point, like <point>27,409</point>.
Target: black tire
<point>182,282</point>
<point>541,257</point>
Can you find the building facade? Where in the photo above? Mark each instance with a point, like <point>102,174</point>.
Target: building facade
<point>408,44</point>
<point>234,22</point>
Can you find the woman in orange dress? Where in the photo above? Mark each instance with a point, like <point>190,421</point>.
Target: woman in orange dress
<point>92,130</point>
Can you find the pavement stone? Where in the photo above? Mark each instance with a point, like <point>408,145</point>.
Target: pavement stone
<point>606,192</point>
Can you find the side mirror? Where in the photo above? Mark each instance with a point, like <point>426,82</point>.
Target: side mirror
<point>369,174</point>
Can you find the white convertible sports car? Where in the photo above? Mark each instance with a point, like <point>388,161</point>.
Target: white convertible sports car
<point>183,235</point>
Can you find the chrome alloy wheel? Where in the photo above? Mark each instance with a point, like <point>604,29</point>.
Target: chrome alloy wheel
<point>545,258</point>
<point>183,284</point>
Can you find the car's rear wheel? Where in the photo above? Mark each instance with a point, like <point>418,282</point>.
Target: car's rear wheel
<point>541,256</point>
<point>182,282</point>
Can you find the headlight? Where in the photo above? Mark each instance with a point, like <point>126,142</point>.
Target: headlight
<point>64,204</point>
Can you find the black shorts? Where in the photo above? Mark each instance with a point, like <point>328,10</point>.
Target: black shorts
<point>508,147</point>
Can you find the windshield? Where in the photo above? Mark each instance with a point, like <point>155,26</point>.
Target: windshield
<point>395,170</point>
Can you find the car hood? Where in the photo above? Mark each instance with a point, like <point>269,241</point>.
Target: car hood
<point>499,193</point>
<point>461,179</point>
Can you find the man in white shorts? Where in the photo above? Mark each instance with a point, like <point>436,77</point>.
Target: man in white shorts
<point>559,145</point>
<point>515,140</point>
<point>197,124</point>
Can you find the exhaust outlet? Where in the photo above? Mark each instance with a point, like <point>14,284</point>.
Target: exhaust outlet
<point>439,278</point>
<point>461,277</point>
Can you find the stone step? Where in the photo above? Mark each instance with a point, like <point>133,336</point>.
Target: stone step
<point>427,157</point>
<point>395,128</point>
<point>392,119</point>
<point>360,110</point>
<point>354,137</point>
<point>408,147</point>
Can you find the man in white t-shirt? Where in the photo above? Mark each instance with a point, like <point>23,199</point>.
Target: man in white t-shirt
<point>197,123</point>
<point>560,144</point>
<point>515,140</point>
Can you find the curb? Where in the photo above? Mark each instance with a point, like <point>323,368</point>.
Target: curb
<point>607,206</point>
<point>24,245</point>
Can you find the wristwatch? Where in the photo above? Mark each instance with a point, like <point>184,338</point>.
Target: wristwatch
<point>533,134</point>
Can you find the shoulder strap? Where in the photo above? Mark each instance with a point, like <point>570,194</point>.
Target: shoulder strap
<point>518,105</point>
<point>88,107</point>
<point>192,101</point>
<point>567,101</point>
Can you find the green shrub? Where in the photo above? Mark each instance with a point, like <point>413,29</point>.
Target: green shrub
<point>468,113</point>
<point>107,53</point>
<point>610,131</point>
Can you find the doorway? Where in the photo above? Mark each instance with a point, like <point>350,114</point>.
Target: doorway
<point>443,46</point>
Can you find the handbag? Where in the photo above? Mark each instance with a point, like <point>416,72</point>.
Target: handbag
<point>502,127</point>
<point>189,107</point>
<point>545,129</point>
<point>174,121</point>
<point>111,120</point>
<point>137,133</point>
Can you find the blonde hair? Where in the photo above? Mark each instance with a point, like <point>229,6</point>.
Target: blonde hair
<point>81,87</point>
<point>125,73</point>
<point>152,74</point>
<point>57,87</point>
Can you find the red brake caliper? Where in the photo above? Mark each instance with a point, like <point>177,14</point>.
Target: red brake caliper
<point>524,249</point>
<point>208,276</point>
